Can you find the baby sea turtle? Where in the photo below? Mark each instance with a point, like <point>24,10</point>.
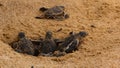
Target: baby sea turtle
<point>56,12</point>
<point>37,46</point>
<point>48,45</point>
<point>24,45</point>
<point>72,42</point>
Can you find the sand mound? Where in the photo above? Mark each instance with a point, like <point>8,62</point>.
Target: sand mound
<point>99,50</point>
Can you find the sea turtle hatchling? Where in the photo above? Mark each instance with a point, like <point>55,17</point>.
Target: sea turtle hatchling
<point>48,45</point>
<point>37,46</point>
<point>72,42</point>
<point>24,45</point>
<point>56,12</point>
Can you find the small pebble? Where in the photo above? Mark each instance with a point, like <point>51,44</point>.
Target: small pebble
<point>92,26</point>
<point>1,4</point>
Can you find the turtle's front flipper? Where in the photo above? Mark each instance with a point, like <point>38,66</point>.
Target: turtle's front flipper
<point>57,41</point>
<point>37,42</point>
<point>43,9</point>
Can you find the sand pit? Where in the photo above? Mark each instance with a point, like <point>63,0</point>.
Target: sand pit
<point>100,48</point>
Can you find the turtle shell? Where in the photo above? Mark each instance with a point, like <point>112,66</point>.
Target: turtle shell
<point>55,11</point>
<point>48,46</point>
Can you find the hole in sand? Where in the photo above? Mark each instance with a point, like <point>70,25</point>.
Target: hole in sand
<point>48,46</point>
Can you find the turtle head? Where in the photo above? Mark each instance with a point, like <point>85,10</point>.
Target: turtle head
<point>83,34</point>
<point>21,35</point>
<point>48,35</point>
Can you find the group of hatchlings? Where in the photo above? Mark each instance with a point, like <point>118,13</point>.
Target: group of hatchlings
<point>49,46</point>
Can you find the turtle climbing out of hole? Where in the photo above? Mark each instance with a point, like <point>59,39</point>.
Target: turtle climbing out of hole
<point>72,42</point>
<point>56,12</point>
<point>48,45</point>
<point>23,45</point>
<point>37,46</point>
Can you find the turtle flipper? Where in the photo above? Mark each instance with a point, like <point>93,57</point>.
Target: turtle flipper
<point>40,17</point>
<point>47,55</point>
<point>73,47</point>
<point>43,9</point>
<point>59,18</point>
<point>36,42</point>
<point>66,16</point>
<point>57,41</point>
<point>58,53</point>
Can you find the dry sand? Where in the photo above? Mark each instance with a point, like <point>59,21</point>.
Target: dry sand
<point>100,48</point>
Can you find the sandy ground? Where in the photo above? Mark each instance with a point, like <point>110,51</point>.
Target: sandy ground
<point>100,48</point>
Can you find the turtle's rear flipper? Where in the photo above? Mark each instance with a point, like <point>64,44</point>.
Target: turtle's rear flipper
<point>58,53</point>
<point>43,9</point>
<point>59,18</point>
<point>47,55</point>
<point>66,16</point>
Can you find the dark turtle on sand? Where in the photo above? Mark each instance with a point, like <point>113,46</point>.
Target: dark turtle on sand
<point>37,46</point>
<point>72,42</point>
<point>24,45</point>
<point>48,45</point>
<point>56,12</point>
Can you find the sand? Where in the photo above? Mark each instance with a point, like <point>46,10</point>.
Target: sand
<point>100,48</point>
